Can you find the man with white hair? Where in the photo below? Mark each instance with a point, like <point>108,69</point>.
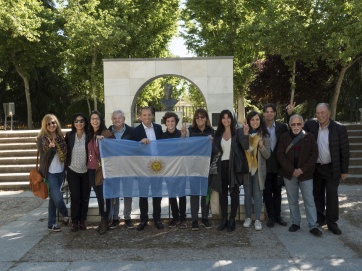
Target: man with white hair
<point>120,131</point>
<point>297,153</point>
<point>332,165</point>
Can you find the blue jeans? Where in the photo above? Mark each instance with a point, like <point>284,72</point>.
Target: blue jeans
<point>55,198</point>
<point>292,186</point>
<point>114,215</point>
<point>252,192</point>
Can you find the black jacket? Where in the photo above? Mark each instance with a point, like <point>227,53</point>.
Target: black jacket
<point>127,133</point>
<point>238,164</point>
<point>338,144</point>
<point>139,132</point>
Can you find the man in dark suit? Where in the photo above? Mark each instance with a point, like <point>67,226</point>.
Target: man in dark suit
<point>332,165</point>
<point>273,184</point>
<point>146,132</point>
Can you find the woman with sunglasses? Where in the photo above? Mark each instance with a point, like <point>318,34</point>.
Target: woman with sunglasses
<point>230,145</point>
<point>98,130</point>
<point>53,152</point>
<point>77,171</point>
<point>201,126</point>
<point>258,152</point>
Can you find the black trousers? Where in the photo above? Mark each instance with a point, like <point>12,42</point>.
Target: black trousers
<point>104,211</point>
<point>272,195</point>
<point>156,202</point>
<point>79,195</point>
<point>178,213</point>
<point>234,194</point>
<point>325,192</point>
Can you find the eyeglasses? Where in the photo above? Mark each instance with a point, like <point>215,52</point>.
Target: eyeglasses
<point>79,121</point>
<point>199,117</point>
<point>51,123</point>
<point>296,124</point>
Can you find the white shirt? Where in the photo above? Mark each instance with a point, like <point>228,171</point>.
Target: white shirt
<point>226,146</point>
<point>150,132</point>
<point>324,155</point>
<point>56,166</point>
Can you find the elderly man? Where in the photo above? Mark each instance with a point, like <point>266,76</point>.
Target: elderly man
<point>121,131</point>
<point>332,165</point>
<point>297,154</point>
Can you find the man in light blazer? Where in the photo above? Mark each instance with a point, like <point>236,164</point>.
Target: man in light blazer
<point>146,132</point>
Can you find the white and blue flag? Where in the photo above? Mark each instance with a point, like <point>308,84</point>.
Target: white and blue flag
<point>164,168</point>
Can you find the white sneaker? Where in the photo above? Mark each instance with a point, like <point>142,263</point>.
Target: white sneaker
<point>258,225</point>
<point>247,223</point>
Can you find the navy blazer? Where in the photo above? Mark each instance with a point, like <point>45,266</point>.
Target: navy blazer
<point>139,132</point>
<point>272,164</point>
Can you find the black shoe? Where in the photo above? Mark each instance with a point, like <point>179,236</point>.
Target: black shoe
<point>232,225</point>
<point>223,225</point>
<point>271,222</point>
<point>114,225</point>
<point>195,226</point>
<point>294,228</point>
<point>141,226</point>
<point>206,223</point>
<point>335,230</point>
<point>316,232</point>
<point>159,225</point>
<point>280,221</point>
<point>173,223</point>
<point>129,224</point>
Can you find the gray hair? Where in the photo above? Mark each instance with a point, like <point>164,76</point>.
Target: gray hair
<point>118,112</point>
<point>296,116</point>
<point>325,105</point>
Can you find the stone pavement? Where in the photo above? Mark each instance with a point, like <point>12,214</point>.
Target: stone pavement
<point>27,245</point>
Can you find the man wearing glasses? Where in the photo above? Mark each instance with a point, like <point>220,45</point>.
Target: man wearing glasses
<point>297,153</point>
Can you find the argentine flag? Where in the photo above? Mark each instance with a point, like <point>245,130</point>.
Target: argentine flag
<point>164,168</point>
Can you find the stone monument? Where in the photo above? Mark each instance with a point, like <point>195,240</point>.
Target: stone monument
<point>168,103</point>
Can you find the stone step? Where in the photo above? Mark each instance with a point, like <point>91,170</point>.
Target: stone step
<point>355,169</point>
<point>355,133</point>
<point>14,185</point>
<point>18,146</point>
<point>354,178</point>
<point>14,177</point>
<point>17,140</point>
<point>353,126</point>
<point>355,139</point>
<point>355,146</point>
<point>355,154</point>
<point>16,168</point>
<point>19,133</point>
<point>18,153</point>
<point>17,160</point>
<point>356,161</point>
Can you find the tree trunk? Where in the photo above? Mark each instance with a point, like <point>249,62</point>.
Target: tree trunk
<point>93,87</point>
<point>337,88</point>
<point>292,83</point>
<point>241,109</point>
<point>27,94</point>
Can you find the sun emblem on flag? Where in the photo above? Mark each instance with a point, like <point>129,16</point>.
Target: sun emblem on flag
<point>156,166</point>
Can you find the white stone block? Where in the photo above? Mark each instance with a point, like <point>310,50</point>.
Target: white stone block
<point>142,69</point>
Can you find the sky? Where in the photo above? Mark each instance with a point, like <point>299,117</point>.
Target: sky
<point>178,48</point>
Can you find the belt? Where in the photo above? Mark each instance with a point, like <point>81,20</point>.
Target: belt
<point>319,164</point>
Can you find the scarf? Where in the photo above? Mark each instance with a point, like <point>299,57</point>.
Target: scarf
<point>252,152</point>
<point>60,146</point>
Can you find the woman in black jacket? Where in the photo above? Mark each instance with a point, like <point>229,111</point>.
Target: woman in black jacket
<point>77,171</point>
<point>230,145</point>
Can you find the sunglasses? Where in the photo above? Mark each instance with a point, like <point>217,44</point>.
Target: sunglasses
<point>199,117</point>
<point>79,121</point>
<point>296,124</point>
<point>51,123</point>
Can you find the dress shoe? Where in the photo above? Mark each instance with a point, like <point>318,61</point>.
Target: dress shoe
<point>141,226</point>
<point>271,222</point>
<point>82,226</point>
<point>223,225</point>
<point>74,227</point>
<point>159,225</point>
<point>294,228</point>
<point>335,230</point>
<point>280,221</point>
<point>316,232</point>
<point>232,225</point>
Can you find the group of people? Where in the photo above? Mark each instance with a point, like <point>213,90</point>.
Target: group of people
<point>262,155</point>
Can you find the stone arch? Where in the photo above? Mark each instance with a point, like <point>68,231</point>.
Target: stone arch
<point>125,78</point>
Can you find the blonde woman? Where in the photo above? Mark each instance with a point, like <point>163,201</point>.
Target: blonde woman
<point>258,152</point>
<point>53,152</point>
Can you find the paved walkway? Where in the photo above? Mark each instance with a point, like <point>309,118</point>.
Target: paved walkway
<point>270,249</point>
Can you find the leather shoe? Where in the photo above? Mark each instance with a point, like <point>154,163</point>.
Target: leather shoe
<point>270,223</point>
<point>159,225</point>
<point>316,232</point>
<point>223,225</point>
<point>294,228</point>
<point>335,230</point>
<point>141,226</point>
<point>232,225</point>
<point>280,221</point>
